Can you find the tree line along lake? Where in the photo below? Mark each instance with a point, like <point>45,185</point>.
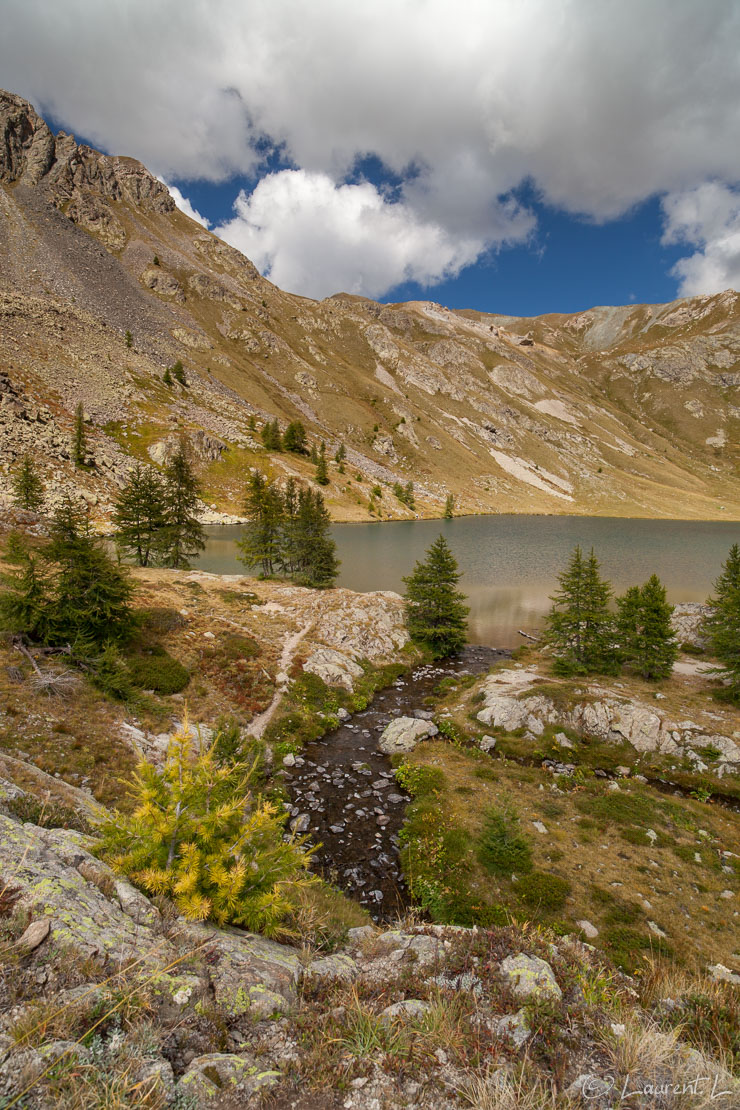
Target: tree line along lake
<point>510,564</point>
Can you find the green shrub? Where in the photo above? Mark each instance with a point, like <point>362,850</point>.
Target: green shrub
<point>201,836</point>
<point>418,780</point>
<point>160,619</point>
<point>157,670</point>
<point>502,849</point>
<point>543,891</point>
<point>619,809</point>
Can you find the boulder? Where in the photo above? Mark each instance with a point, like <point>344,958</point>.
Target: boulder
<point>209,1077</point>
<point>529,975</point>
<point>333,667</point>
<point>403,734</point>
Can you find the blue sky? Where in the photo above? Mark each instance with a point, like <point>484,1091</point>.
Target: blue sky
<point>569,264</point>
<point>514,156</point>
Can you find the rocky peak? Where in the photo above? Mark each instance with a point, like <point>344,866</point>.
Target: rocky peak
<point>32,155</point>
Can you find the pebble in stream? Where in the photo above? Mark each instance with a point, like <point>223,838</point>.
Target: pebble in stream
<point>344,794</point>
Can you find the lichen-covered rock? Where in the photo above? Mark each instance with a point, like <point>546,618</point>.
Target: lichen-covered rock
<point>248,972</point>
<point>210,1076</point>
<point>409,1009</point>
<point>403,734</point>
<point>529,975</point>
<point>338,967</point>
<point>514,1027</point>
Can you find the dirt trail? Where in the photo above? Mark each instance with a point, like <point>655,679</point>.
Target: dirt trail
<point>262,720</point>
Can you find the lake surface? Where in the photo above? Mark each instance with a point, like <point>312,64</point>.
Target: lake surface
<point>510,563</point>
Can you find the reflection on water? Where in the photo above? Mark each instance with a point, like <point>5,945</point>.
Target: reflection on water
<point>510,563</point>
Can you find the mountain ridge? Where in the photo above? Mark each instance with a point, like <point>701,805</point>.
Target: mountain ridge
<point>616,410</point>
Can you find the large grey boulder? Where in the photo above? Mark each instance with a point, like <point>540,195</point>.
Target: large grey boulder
<point>403,734</point>
<point>333,667</point>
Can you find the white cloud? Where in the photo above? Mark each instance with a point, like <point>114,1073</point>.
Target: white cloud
<point>707,217</point>
<point>599,105</point>
<point>184,204</point>
<point>311,236</point>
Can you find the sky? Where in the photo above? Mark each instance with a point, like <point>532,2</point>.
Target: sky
<point>514,156</point>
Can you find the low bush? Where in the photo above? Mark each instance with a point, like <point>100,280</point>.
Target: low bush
<point>157,670</point>
<point>502,849</point>
<point>49,814</point>
<point>543,891</point>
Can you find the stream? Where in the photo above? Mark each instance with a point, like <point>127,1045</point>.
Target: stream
<point>344,795</point>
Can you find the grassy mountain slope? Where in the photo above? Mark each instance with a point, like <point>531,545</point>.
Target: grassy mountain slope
<point>614,411</point>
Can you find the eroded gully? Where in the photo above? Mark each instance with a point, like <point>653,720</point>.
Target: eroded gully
<point>344,795</point>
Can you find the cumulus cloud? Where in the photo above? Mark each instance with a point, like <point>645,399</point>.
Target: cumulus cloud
<point>184,205</point>
<point>311,236</point>
<point>707,217</point>
<point>597,105</point>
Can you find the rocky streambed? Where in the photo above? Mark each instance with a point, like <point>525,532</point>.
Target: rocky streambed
<point>344,795</point>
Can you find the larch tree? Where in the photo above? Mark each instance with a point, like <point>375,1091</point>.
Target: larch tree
<point>182,537</point>
<point>28,489</point>
<point>644,631</point>
<point>436,613</point>
<point>139,515</point>
<point>723,623</point>
<point>580,627</point>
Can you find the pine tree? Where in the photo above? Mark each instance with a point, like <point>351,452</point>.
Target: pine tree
<point>340,455</point>
<point>271,438</point>
<point>449,507</point>
<point>79,440</point>
<point>294,438</point>
<point>261,542</point>
<point>167,379</point>
<point>318,565</point>
<point>436,613</point>
<point>580,627</point>
<point>24,592</point>
<point>199,834</point>
<point>182,536</point>
<point>129,340</point>
<point>139,514</point>
<point>90,596</point>
<point>723,624</point>
<point>644,631</point>
<point>290,554</point>
<point>28,488</point>
<point>409,495</point>
<point>178,372</point>
<point>322,471</point>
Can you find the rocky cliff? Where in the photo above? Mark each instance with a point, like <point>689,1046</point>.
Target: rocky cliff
<point>622,411</point>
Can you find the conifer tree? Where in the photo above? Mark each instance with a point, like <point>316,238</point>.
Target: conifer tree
<point>644,631</point>
<point>449,507</point>
<point>580,627</point>
<point>90,597</point>
<point>139,514</point>
<point>79,439</point>
<point>322,471</point>
<point>290,554</point>
<point>24,592</point>
<point>129,340</point>
<point>178,372</point>
<point>182,536</point>
<point>294,438</point>
<point>723,623</point>
<point>200,834</point>
<point>28,488</point>
<point>261,542</point>
<point>167,379</point>
<point>339,457</point>
<point>318,565</point>
<point>436,613</point>
<point>271,438</point>
<point>409,495</point>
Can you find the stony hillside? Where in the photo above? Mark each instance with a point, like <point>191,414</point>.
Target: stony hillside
<point>619,411</point>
